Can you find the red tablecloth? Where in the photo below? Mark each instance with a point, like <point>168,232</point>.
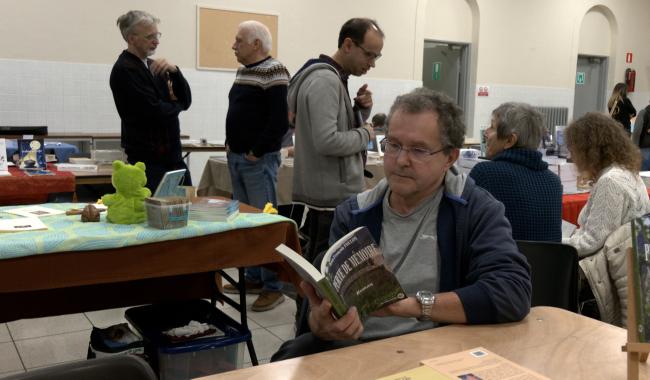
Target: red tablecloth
<point>572,204</point>
<point>20,188</point>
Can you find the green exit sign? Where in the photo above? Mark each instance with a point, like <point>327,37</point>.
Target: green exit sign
<point>435,73</point>
<point>580,77</point>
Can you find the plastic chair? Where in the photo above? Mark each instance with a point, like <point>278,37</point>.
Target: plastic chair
<point>122,367</point>
<point>554,273</point>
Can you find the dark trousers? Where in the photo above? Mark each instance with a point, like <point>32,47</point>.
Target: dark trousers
<point>307,344</point>
<point>318,230</point>
<point>318,225</point>
<point>156,171</point>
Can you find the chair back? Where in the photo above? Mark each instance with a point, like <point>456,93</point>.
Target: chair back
<point>554,273</point>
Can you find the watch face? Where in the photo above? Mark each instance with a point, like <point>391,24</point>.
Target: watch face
<point>425,297</point>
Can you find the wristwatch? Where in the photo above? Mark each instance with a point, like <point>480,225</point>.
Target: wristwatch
<point>426,300</point>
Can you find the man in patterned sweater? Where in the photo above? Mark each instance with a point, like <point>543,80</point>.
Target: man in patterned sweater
<point>518,177</point>
<point>255,124</point>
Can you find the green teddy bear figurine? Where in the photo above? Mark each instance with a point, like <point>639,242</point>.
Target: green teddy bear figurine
<point>126,206</point>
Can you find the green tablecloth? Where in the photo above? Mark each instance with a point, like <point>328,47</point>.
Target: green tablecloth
<point>68,233</point>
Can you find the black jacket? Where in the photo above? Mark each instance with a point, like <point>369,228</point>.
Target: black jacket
<point>150,127</point>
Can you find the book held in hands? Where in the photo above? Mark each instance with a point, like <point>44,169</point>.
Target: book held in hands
<point>352,273</point>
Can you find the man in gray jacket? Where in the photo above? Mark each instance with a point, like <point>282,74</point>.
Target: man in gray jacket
<point>331,136</point>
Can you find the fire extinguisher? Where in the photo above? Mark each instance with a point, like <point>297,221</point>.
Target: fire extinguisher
<point>630,77</point>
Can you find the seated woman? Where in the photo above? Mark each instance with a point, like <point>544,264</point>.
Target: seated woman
<point>517,176</point>
<point>601,149</point>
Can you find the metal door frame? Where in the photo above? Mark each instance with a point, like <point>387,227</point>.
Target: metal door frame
<point>464,91</point>
<point>602,81</point>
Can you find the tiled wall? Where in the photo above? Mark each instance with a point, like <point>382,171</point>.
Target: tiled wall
<point>76,97</point>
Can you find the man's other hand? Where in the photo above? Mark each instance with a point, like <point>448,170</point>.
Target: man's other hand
<point>161,65</point>
<point>323,324</point>
<point>364,97</point>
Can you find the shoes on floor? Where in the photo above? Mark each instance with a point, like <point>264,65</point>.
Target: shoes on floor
<point>251,288</point>
<point>267,300</point>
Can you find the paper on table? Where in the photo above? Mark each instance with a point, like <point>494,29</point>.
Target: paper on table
<point>567,229</point>
<point>34,211</point>
<point>21,224</point>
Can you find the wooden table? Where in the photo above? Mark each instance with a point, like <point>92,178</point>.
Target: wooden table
<point>554,342</point>
<point>77,281</point>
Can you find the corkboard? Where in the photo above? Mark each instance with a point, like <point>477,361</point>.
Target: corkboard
<point>216,30</point>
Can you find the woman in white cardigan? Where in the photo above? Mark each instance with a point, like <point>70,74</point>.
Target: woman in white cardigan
<point>602,151</point>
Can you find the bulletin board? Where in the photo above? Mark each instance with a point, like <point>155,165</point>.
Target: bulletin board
<point>216,30</point>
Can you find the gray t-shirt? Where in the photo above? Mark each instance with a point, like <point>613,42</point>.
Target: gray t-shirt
<point>409,244</point>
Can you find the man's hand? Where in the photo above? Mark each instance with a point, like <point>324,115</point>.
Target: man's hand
<point>371,131</point>
<point>251,157</point>
<point>323,325</point>
<point>364,97</point>
<point>160,65</point>
<point>408,307</point>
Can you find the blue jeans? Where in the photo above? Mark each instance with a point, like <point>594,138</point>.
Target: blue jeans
<point>645,159</point>
<point>254,183</point>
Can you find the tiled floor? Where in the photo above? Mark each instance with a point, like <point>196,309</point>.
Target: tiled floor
<point>34,343</point>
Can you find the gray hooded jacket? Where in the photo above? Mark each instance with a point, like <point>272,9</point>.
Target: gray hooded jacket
<point>328,165</point>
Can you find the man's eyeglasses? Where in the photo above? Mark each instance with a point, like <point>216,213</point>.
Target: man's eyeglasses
<point>417,154</point>
<point>370,55</point>
<point>153,36</point>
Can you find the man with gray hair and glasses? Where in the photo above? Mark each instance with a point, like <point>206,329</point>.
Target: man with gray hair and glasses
<point>446,239</point>
<point>518,177</point>
<point>255,124</point>
<point>149,94</point>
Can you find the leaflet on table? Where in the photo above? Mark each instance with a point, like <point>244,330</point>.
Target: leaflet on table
<point>479,363</point>
<point>34,211</point>
<point>21,224</point>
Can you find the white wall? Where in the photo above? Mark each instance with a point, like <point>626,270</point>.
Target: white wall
<point>55,56</point>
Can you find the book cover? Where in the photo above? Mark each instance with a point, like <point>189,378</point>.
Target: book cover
<point>353,273</point>
<point>32,154</point>
<point>641,275</point>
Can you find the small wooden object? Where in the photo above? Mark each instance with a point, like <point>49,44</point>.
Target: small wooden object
<point>637,352</point>
<point>90,214</point>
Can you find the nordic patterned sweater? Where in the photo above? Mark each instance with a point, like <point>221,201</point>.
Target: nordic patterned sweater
<point>531,193</point>
<point>257,111</point>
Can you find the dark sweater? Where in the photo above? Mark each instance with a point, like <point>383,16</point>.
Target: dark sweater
<point>150,127</point>
<point>531,193</point>
<point>257,111</point>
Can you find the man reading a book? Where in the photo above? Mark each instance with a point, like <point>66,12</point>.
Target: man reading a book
<point>446,239</point>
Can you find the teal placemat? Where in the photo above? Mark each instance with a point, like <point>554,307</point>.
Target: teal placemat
<point>68,233</point>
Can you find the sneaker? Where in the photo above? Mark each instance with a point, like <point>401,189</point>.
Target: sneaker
<point>267,300</point>
<point>251,288</point>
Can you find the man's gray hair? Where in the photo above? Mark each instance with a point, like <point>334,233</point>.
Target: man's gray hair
<point>522,120</point>
<point>258,31</point>
<point>450,116</point>
<point>130,19</point>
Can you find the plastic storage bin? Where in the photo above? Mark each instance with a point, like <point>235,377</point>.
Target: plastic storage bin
<point>193,358</point>
<point>167,213</point>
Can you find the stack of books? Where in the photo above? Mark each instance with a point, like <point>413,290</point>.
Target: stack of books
<point>214,210</point>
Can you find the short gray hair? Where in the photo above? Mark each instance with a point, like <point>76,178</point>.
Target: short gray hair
<point>450,116</point>
<point>130,19</point>
<point>522,120</point>
<point>258,31</point>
